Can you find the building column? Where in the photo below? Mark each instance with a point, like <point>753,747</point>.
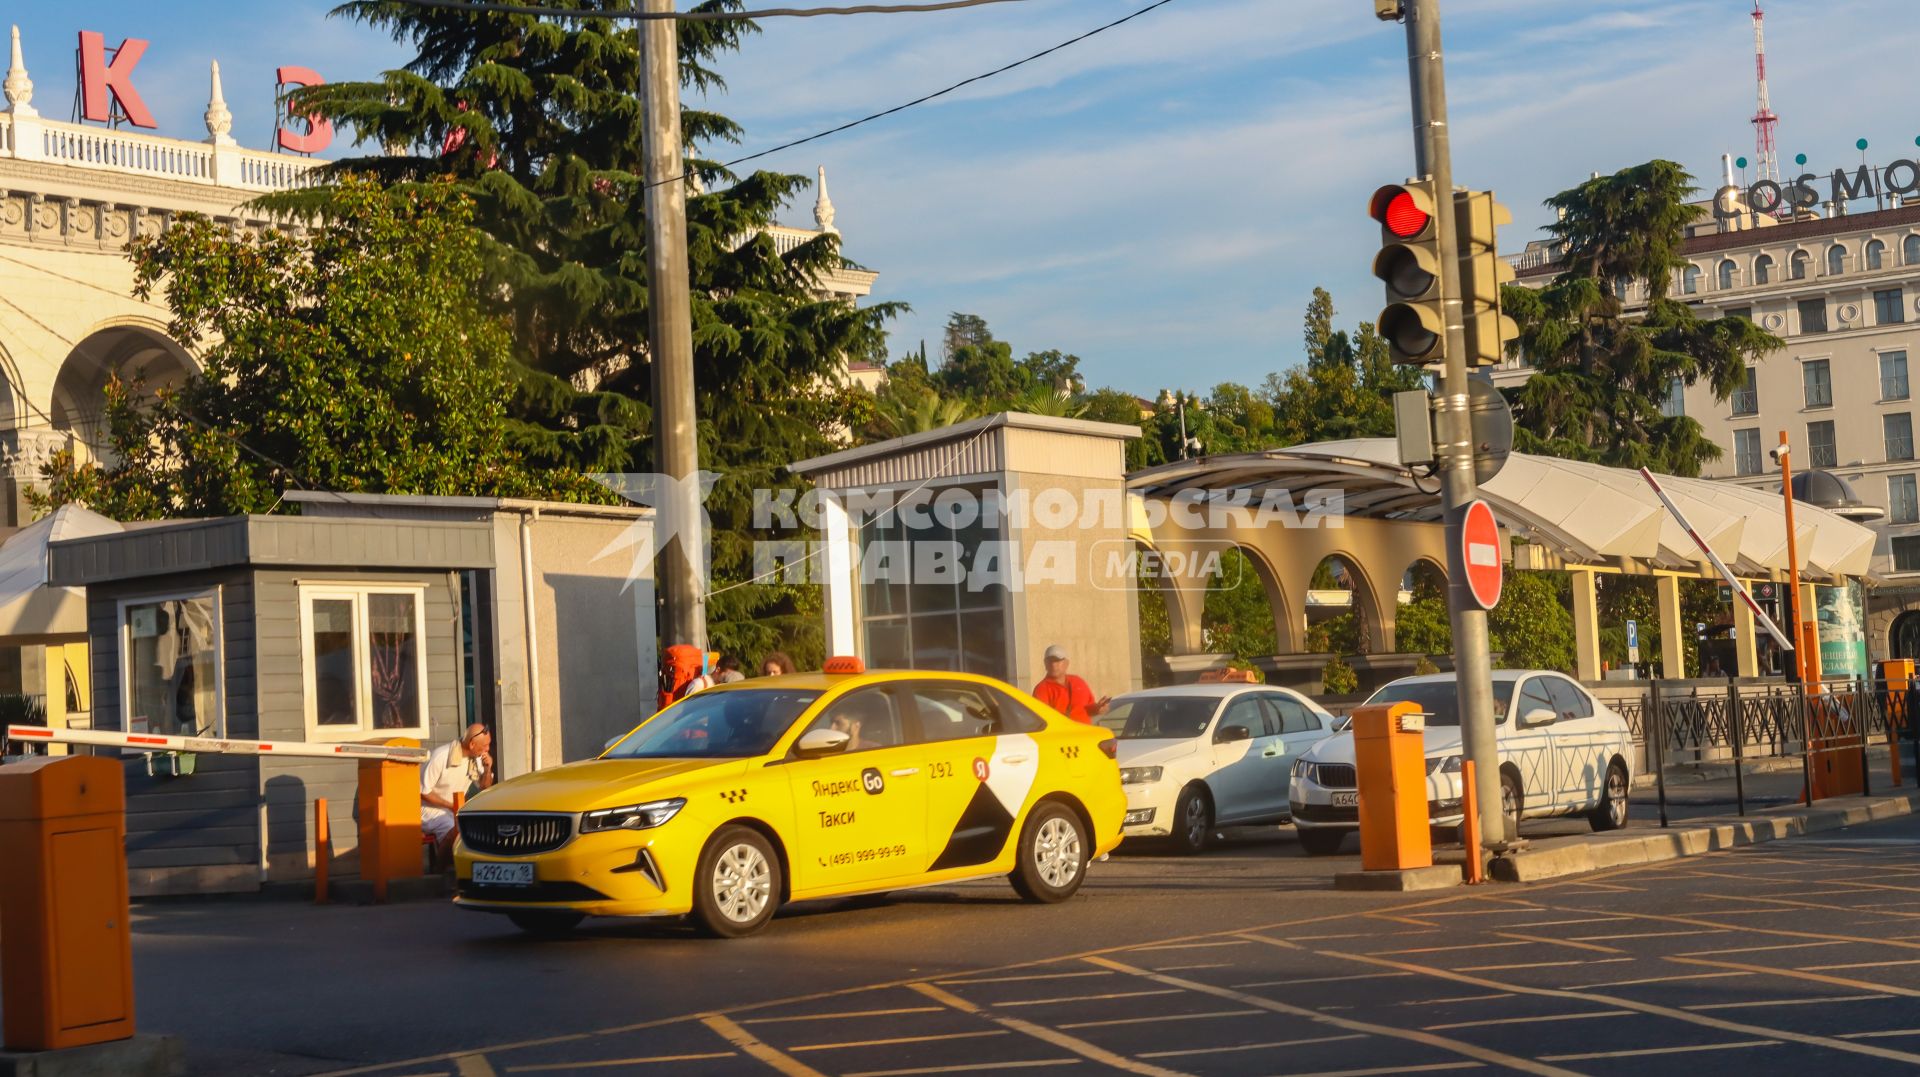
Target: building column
<point>1586,626</point>
<point>837,575</point>
<point>1746,648</point>
<point>1673,640</point>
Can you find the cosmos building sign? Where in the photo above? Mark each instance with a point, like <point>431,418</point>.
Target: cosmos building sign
<point>1807,190</point>
<point>107,91</point>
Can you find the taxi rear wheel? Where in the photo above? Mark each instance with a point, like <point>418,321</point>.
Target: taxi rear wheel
<point>1053,855</point>
<point>1192,821</point>
<point>737,886</point>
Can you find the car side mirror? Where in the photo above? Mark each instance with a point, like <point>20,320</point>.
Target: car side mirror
<point>1229,734</point>
<point>818,742</point>
<point>613,740</point>
<point>1536,716</point>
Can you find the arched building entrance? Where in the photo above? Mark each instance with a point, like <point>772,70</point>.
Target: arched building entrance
<point>139,357</point>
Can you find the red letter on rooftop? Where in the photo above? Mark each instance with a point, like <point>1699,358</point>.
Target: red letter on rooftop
<point>319,130</point>
<point>98,80</point>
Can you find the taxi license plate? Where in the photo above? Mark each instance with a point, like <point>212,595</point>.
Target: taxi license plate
<point>1346,800</point>
<point>485,874</point>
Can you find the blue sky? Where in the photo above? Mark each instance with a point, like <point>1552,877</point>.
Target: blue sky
<point>1162,198</point>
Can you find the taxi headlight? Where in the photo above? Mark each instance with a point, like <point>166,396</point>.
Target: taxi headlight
<point>1138,775</point>
<point>1443,764</point>
<point>632,817</point>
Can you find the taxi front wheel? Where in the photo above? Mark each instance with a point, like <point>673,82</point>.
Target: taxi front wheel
<point>737,886</point>
<point>1053,855</point>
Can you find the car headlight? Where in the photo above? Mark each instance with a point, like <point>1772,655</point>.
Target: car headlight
<point>1138,775</point>
<point>1303,769</point>
<point>1443,764</point>
<point>632,817</point>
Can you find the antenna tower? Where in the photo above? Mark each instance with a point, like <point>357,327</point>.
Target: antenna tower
<point>1764,121</point>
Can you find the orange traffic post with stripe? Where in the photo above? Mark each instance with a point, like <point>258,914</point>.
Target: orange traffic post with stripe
<point>1470,829</point>
<point>66,958</point>
<point>389,802</point>
<point>322,850</point>
<point>1390,755</point>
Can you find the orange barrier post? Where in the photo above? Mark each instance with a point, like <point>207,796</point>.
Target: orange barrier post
<point>1390,756</point>
<point>322,850</point>
<point>66,967</point>
<point>389,802</point>
<point>1470,830</point>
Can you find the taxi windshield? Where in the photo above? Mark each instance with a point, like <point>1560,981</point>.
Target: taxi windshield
<point>730,724</point>
<point>1159,717</point>
<point>1440,699</point>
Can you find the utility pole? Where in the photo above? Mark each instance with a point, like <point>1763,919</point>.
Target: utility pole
<point>1472,664</point>
<point>670,330</point>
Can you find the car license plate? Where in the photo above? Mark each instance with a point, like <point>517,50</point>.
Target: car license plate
<point>486,874</point>
<point>1346,800</point>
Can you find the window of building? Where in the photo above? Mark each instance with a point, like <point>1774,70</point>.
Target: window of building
<point>1690,280</point>
<point>1820,450</point>
<point>170,666</point>
<point>1817,379</point>
<point>1739,312</point>
<point>1746,451</point>
<point>1898,430</point>
<point>1903,499</point>
<point>1798,265</point>
<point>923,603</point>
<point>1726,274</point>
<point>1876,254</point>
<point>1746,399</point>
<point>1893,375</point>
<point>1910,250</point>
<point>1906,553</point>
<point>1813,316</point>
<point>1836,260</point>
<point>365,660</point>
<point>1674,404</point>
<point>1763,269</point>
<point>1890,306</point>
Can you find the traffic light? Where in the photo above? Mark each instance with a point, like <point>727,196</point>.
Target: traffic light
<point>1477,217</point>
<point>1409,262</point>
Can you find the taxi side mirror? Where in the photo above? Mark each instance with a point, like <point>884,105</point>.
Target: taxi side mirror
<point>1536,717</point>
<point>818,742</point>
<point>1229,734</point>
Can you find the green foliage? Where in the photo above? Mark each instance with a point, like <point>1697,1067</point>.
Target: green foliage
<point>1600,374</point>
<point>1156,630</point>
<point>1532,626</point>
<point>354,358</point>
<point>1338,679</point>
<point>1423,627</point>
<point>1237,619</point>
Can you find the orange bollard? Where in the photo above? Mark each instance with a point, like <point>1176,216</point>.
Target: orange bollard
<point>322,850</point>
<point>1389,756</point>
<point>459,801</point>
<point>389,802</point>
<point>1470,830</point>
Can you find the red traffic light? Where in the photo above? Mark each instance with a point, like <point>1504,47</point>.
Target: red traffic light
<point>1404,217</point>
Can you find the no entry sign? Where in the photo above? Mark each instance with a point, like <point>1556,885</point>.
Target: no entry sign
<point>1480,553</point>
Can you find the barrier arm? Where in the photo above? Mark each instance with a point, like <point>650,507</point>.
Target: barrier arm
<point>155,742</point>
<point>1719,566</point>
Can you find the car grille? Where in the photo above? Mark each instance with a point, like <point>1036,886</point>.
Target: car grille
<point>514,835</point>
<point>1336,776</point>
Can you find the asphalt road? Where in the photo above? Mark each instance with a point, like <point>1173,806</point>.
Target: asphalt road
<point>1802,954</point>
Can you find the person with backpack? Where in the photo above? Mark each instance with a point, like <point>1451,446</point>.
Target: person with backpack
<point>683,671</point>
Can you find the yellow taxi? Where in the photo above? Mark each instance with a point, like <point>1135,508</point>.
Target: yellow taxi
<point>742,797</point>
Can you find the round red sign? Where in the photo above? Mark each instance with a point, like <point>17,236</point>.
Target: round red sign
<point>1480,553</point>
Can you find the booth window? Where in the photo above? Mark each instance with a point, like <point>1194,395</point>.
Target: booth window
<point>929,596</point>
<point>170,666</point>
<point>365,661</point>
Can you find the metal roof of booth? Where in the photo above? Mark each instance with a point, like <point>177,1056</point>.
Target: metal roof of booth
<point>1587,513</point>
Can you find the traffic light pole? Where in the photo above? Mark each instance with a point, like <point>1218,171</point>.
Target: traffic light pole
<point>1472,661</point>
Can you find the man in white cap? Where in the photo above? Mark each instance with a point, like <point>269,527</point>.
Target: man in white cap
<point>1066,692</point>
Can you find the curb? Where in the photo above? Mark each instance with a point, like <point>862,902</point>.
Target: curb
<point>1535,865</point>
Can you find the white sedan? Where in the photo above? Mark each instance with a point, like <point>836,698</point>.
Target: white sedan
<point>1195,757</point>
<point>1562,752</point>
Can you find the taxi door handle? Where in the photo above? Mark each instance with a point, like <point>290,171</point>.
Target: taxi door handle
<point>904,772</point>
<point>1012,760</point>
<point>1271,752</point>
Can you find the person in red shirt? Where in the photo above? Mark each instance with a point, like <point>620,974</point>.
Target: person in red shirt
<point>1065,692</point>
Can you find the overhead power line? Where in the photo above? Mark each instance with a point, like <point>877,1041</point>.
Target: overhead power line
<point>699,16</point>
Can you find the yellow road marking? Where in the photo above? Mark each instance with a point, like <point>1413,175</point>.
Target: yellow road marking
<point>1543,964</point>
<point>1565,923</point>
<point>1762,949</point>
<point>611,1062</point>
<point>1807,904</point>
<point>1546,941</point>
<point>1382,1071</point>
<point>472,1065</point>
<point>1040,1032</point>
<point>1644,1007</point>
<point>1449,949</point>
<point>1653,980</point>
<point>1799,974</point>
<point>842,1015</point>
<point>1640,935</point>
<point>1182,946</point>
<point>1759,1003</point>
<point>1460,998</point>
<point>745,1041</point>
<point>1021,979</point>
<point>970,1067</point>
<point>1884,1034</point>
<point>1083,998</point>
<point>1539,1019</point>
<point>1459,1047</point>
<point>1158,1018</point>
<point>1637,1053</point>
<point>1400,919</point>
<point>1859,965</point>
<point>1188,968</point>
<point>1323,979</point>
<point>1250,1046</point>
<point>892,1040</point>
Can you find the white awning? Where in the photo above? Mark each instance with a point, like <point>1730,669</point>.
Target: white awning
<point>28,607</point>
<point>1585,512</point>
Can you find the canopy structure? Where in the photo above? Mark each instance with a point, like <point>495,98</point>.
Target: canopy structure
<point>29,609</point>
<point>1586,513</point>
<point>1584,517</point>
